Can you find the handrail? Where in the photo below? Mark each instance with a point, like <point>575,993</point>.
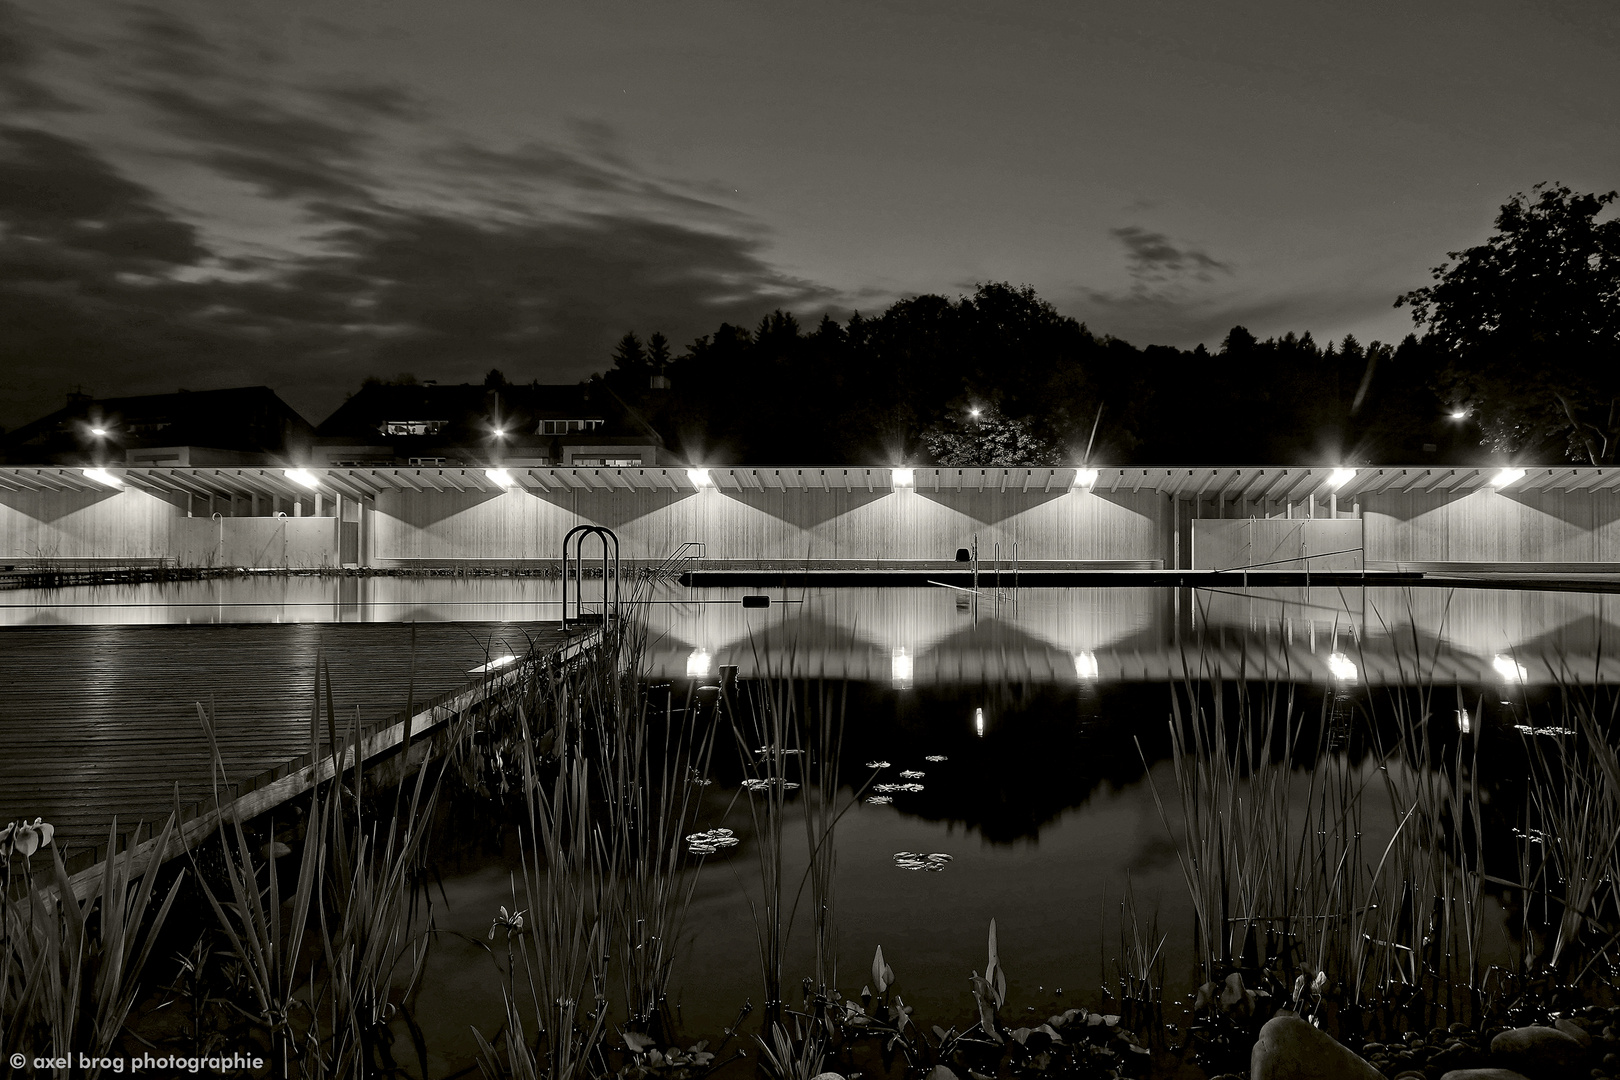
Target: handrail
<point>605,535</point>
<point>682,555</point>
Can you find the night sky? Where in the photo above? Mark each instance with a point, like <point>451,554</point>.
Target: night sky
<point>227,193</point>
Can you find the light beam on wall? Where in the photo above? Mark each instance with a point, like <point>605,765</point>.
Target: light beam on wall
<point>1085,478</point>
<point>1506,477</point>
<point>697,665</point>
<point>102,476</point>
<point>903,478</point>
<point>900,669</point>
<point>1340,477</point>
<point>501,477</point>
<point>700,478</point>
<point>1085,665</point>
<point>302,476</point>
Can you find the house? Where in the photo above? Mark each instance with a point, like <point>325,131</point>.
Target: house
<point>247,425</point>
<point>536,424</point>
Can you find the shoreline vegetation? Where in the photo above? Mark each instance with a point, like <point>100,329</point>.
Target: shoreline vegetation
<point>1342,857</point>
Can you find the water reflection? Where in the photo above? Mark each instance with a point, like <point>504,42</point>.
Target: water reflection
<point>932,636</point>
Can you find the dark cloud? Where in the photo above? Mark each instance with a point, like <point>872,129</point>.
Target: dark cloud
<point>160,41</point>
<point>375,100</point>
<point>284,153</point>
<point>112,291</point>
<point>20,90</point>
<point>1161,318</point>
<point>1153,258</point>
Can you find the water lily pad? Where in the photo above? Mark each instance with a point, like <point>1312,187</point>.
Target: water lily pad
<point>877,764</point>
<point>936,758</point>
<point>890,788</point>
<point>880,800</point>
<point>916,860</point>
<point>768,782</point>
<point>711,841</point>
<point>911,774</point>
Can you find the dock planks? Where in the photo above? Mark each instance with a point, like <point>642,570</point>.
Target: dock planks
<point>99,722</point>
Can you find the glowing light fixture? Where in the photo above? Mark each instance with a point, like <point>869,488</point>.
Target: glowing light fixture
<point>1506,477</point>
<point>1340,477</point>
<point>1342,667</point>
<point>900,669</point>
<point>903,477</point>
<point>1459,414</point>
<point>697,665</point>
<point>99,432</point>
<point>1084,478</point>
<point>501,477</point>
<point>699,477</point>
<point>978,722</point>
<point>1085,665</point>
<point>1507,667</point>
<point>500,433</point>
<point>102,476</point>
<point>974,412</point>
<point>301,476</point>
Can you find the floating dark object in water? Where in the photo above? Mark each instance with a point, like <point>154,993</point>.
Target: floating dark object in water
<point>754,600</point>
<point>916,860</point>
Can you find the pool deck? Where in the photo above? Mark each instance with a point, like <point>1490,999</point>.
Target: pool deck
<point>101,722</point>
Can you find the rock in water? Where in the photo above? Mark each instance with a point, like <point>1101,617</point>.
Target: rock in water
<point>1291,1049</point>
<point>1538,1052</point>
<point>1483,1074</point>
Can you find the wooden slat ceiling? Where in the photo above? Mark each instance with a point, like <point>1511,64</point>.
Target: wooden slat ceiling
<point>1270,483</point>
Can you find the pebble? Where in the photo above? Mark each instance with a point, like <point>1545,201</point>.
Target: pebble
<point>1291,1049</point>
<point>1536,1051</point>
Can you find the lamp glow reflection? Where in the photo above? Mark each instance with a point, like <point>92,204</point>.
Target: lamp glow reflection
<point>1084,478</point>
<point>501,477</point>
<point>697,665</point>
<point>1465,723</point>
<point>1507,667</point>
<point>1506,477</point>
<point>900,669</point>
<point>1340,477</point>
<point>1342,667</point>
<point>301,476</point>
<point>699,477</point>
<point>1085,665</point>
<point>903,477</point>
<point>102,476</point>
<point>978,722</point>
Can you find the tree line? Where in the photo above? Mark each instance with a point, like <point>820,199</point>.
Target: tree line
<point>1515,354</point>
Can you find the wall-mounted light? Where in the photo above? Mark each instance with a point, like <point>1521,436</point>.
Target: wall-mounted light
<point>1342,668</point>
<point>500,433</point>
<point>1085,665</point>
<point>1085,478</point>
<point>1506,477</point>
<point>302,476</point>
<point>501,477</point>
<point>1340,477</point>
<point>974,412</point>
<point>1459,414</point>
<point>700,478</point>
<point>903,478</point>
<point>102,476</point>
<point>99,432</point>
<point>697,665</point>
<point>900,669</point>
<point>1508,668</point>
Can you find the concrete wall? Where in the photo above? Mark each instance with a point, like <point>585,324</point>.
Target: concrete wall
<point>1277,543</point>
<point>1493,526</point>
<point>793,524</point>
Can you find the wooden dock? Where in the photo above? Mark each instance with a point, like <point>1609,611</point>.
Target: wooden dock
<point>101,722</point>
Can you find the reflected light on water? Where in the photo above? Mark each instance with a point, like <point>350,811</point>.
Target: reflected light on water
<point>1085,665</point>
<point>900,669</point>
<point>1465,723</point>
<point>978,721</point>
<point>697,665</point>
<point>1342,667</point>
<point>1510,669</point>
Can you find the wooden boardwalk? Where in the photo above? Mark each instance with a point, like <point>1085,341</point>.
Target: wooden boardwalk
<point>98,722</point>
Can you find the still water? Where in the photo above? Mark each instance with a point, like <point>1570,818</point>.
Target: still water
<point>1037,719</point>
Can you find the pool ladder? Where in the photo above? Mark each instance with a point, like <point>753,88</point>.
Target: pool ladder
<point>574,559</point>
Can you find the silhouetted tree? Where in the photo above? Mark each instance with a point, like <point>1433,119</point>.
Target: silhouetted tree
<point>1529,323</point>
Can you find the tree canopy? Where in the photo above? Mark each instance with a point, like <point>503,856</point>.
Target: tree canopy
<point>1529,326</point>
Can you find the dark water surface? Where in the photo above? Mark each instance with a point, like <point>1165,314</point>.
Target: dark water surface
<point>1048,711</point>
